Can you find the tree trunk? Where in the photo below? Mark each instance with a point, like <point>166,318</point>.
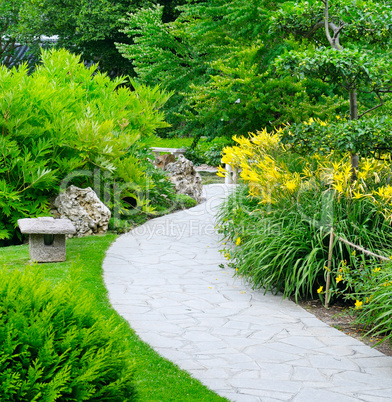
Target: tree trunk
<point>353,93</point>
<point>353,105</point>
<point>354,116</point>
<point>354,166</point>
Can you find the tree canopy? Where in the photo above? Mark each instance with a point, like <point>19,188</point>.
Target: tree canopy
<point>86,27</point>
<point>235,66</point>
<point>218,58</point>
<point>346,44</point>
<point>9,11</point>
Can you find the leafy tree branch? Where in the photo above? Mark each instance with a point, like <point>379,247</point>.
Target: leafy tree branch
<point>363,66</point>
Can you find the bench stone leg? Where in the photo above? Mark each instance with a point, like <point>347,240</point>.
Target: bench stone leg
<point>41,252</point>
<point>232,174</point>
<point>235,175</point>
<point>228,178</point>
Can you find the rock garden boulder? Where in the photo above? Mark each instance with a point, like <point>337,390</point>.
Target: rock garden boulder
<point>185,178</point>
<point>84,209</point>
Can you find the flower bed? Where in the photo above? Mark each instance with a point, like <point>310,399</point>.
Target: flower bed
<point>283,215</point>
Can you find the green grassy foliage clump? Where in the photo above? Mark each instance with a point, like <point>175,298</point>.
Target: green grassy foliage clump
<point>281,219</point>
<point>54,345</point>
<point>277,249</point>
<point>183,201</point>
<point>376,297</point>
<point>285,248</point>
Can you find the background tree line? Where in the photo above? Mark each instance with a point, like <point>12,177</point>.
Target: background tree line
<point>232,66</point>
<point>86,27</point>
<point>238,66</point>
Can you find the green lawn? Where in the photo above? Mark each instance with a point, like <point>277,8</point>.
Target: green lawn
<point>170,142</point>
<point>211,178</point>
<point>156,378</point>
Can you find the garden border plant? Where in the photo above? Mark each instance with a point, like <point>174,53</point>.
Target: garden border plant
<point>281,219</point>
<point>55,345</point>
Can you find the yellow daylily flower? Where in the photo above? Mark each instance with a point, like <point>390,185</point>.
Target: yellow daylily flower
<point>357,195</point>
<point>358,304</point>
<point>338,187</point>
<point>320,289</point>
<point>291,185</point>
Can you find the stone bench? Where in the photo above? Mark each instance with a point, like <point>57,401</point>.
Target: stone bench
<point>231,176</point>
<point>46,237</point>
<point>174,151</point>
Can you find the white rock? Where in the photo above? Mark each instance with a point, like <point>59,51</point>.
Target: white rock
<point>185,178</point>
<point>84,209</point>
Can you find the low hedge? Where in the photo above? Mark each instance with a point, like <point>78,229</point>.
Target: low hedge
<point>53,346</point>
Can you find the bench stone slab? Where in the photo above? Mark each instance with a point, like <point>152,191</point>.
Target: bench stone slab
<point>46,225</point>
<point>174,151</point>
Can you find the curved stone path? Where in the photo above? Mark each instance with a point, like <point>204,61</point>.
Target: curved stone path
<point>164,278</point>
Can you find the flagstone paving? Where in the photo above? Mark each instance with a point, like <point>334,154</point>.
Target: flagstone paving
<point>165,279</point>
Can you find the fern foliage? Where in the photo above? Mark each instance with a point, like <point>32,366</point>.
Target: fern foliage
<point>54,347</point>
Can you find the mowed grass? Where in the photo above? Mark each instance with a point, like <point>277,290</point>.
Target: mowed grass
<point>211,178</point>
<point>170,142</point>
<point>156,378</point>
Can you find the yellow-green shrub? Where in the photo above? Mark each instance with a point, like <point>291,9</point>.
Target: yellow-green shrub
<point>62,118</point>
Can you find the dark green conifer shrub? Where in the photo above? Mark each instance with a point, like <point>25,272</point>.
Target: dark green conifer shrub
<point>53,346</point>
